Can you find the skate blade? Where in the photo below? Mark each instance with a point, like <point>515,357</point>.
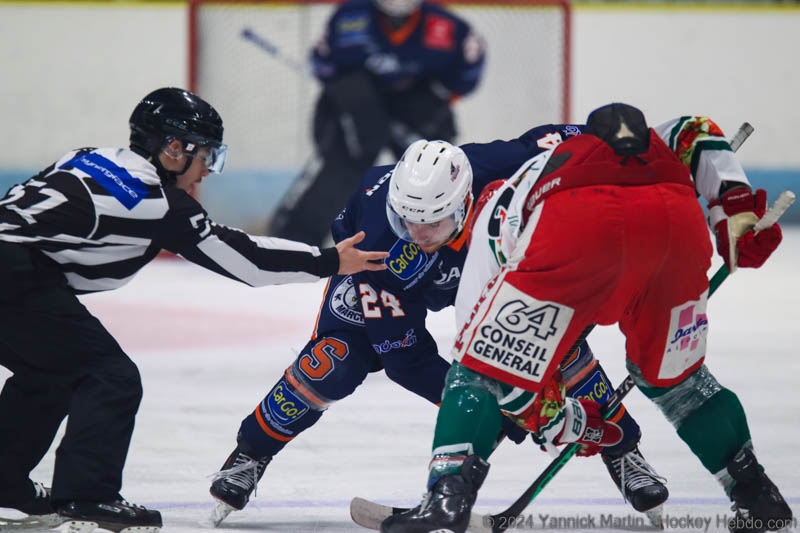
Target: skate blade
<point>83,526</point>
<point>219,513</point>
<point>656,516</point>
<point>30,523</point>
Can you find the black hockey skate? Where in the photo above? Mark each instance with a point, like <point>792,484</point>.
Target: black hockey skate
<point>447,506</point>
<point>33,500</point>
<point>757,502</point>
<point>235,481</point>
<point>639,484</point>
<point>117,516</point>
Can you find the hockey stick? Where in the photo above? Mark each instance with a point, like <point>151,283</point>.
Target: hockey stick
<point>783,202</point>
<point>248,34</point>
<point>741,135</point>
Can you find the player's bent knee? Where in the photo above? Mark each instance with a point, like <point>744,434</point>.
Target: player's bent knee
<point>679,401</point>
<point>460,376</point>
<point>305,390</point>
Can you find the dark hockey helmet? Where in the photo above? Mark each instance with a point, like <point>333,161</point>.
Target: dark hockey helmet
<point>622,126</point>
<point>170,113</point>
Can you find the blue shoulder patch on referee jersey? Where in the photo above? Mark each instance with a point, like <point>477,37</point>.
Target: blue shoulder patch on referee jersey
<point>112,177</point>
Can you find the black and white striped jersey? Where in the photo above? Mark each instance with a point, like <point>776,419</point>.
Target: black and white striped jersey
<point>102,214</point>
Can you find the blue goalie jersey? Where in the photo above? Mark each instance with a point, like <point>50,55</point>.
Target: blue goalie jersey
<point>433,44</point>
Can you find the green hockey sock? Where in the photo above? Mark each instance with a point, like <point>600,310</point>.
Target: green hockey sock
<point>716,430</point>
<point>468,421</point>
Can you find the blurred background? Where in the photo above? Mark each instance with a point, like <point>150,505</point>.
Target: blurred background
<point>71,72</point>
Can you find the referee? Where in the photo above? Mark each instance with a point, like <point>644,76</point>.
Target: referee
<point>89,222</point>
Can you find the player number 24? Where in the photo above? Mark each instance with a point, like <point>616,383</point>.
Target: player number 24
<point>371,302</point>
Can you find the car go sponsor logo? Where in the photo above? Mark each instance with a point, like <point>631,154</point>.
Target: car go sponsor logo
<point>284,406</point>
<point>595,389</point>
<point>406,259</point>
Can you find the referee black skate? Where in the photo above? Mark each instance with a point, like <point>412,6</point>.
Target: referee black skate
<point>86,223</point>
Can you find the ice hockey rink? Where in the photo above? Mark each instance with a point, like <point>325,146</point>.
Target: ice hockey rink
<point>209,349</point>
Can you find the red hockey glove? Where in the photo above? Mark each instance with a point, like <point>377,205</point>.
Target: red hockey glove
<point>732,217</point>
<point>584,424</point>
<point>553,419</point>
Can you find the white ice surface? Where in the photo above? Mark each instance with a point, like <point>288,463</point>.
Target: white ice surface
<point>209,349</point>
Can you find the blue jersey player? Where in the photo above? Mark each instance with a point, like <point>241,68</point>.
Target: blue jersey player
<point>372,321</point>
<point>389,71</point>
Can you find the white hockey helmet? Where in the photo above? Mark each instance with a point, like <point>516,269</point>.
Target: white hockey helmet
<point>431,185</point>
<point>397,8</point>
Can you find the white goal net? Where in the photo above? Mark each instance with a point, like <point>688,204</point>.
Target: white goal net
<point>250,60</point>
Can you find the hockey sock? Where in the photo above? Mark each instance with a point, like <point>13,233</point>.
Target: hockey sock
<point>716,430</point>
<point>708,417</point>
<point>468,421</point>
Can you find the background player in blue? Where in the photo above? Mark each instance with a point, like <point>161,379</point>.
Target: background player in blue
<point>390,70</point>
<point>376,320</point>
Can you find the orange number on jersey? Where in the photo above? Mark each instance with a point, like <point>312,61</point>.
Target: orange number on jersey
<point>317,364</point>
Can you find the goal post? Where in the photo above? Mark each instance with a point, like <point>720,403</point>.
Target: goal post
<point>249,58</point>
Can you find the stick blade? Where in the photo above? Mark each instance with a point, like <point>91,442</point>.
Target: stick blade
<point>369,514</point>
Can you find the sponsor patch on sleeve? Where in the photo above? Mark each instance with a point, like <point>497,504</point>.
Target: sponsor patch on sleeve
<point>351,30</point>
<point>112,177</point>
<point>439,33</point>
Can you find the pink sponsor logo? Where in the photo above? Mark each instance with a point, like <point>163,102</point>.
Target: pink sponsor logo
<point>687,335</point>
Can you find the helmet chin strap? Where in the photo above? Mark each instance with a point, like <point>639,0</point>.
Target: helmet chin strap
<point>170,176</point>
<point>460,233</point>
<point>189,159</point>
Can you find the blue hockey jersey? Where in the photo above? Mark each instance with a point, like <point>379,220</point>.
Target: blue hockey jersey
<point>390,306</point>
<point>432,44</point>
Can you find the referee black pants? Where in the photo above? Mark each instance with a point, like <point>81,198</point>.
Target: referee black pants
<point>64,364</point>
